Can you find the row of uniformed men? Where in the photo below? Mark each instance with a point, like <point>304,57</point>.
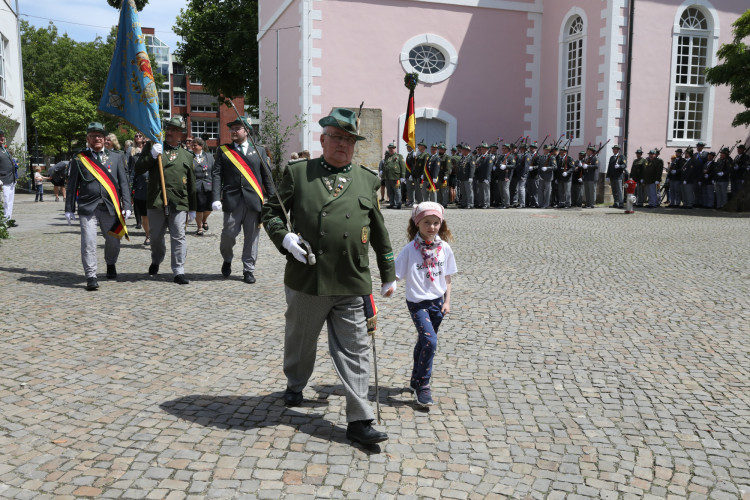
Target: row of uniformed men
<point>518,176</point>
<point>521,176</point>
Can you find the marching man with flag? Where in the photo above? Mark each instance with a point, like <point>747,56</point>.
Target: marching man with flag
<point>240,186</point>
<point>100,178</point>
<point>178,187</point>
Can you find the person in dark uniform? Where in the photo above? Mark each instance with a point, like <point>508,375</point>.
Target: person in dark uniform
<point>203,163</point>
<point>179,182</point>
<point>8,178</point>
<point>615,170</point>
<point>590,176</point>
<point>576,186</point>
<point>689,177</point>
<point>410,162</point>
<point>722,172</point>
<point>241,184</point>
<point>564,174</point>
<point>482,176</point>
<point>547,167</point>
<point>422,159</point>
<point>394,172</point>
<point>100,178</point>
<point>532,183</point>
<point>466,170</point>
<point>740,170</point>
<point>334,206</point>
<point>506,164</point>
<point>638,174</point>
<point>675,178</point>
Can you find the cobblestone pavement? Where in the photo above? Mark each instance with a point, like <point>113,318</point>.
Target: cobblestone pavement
<point>589,354</point>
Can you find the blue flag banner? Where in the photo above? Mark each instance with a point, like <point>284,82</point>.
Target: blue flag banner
<point>131,92</point>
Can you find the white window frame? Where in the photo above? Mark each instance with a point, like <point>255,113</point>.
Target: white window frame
<point>438,42</point>
<point>3,73</point>
<point>204,109</point>
<point>711,34</point>
<point>208,127</point>
<point>183,98</point>
<point>580,90</point>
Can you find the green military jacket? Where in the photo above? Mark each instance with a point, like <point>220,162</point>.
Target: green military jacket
<point>337,211</point>
<point>446,166</point>
<point>638,169</point>
<point>179,178</point>
<point>421,163</point>
<point>394,167</point>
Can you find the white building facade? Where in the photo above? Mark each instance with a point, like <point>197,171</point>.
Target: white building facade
<point>11,74</point>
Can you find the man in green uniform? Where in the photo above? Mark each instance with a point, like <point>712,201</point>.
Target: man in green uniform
<point>179,181</point>
<point>638,174</point>
<point>334,206</point>
<point>394,173</point>
<point>446,165</point>
<point>423,157</point>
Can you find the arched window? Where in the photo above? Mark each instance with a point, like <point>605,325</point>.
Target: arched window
<point>692,51</point>
<point>572,80</point>
<point>432,56</point>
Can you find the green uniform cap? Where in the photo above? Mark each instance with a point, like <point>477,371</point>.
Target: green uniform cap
<point>95,127</point>
<point>239,121</point>
<point>342,118</point>
<point>175,122</point>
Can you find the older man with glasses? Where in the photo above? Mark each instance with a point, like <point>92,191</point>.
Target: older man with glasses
<point>334,206</point>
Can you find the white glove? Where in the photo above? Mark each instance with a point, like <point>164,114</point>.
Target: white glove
<point>486,181</point>
<point>493,168</point>
<point>503,167</point>
<point>673,172</point>
<point>565,174</point>
<point>126,215</point>
<point>191,216</point>
<point>471,180</point>
<point>580,180</point>
<point>434,180</point>
<point>70,216</point>
<point>156,149</point>
<point>684,182</point>
<point>657,183</point>
<point>410,177</point>
<point>388,288</point>
<point>544,169</point>
<point>403,180</point>
<point>216,206</point>
<point>641,181</point>
<point>292,244</point>
<point>720,174</point>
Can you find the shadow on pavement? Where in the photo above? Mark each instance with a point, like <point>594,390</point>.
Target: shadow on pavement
<point>53,278</point>
<point>78,280</point>
<point>253,412</point>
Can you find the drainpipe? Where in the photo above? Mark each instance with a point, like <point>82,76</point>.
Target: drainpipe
<point>20,76</point>
<point>628,81</point>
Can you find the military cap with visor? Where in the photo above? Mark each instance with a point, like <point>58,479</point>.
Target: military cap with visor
<point>96,127</point>
<point>175,122</point>
<point>344,119</point>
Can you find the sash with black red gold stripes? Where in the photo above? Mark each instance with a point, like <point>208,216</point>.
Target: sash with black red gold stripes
<point>239,162</point>
<point>101,174</point>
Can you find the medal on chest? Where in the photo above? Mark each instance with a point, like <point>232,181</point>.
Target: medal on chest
<point>172,154</point>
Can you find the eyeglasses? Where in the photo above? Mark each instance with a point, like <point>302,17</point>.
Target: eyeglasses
<point>340,138</point>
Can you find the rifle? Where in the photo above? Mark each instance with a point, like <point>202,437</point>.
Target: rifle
<point>559,140</point>
<point>310,254</point>
<point>601,146</point>
<point>735,145</point>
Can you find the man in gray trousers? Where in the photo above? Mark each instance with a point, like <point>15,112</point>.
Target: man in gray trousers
<point>98,175</point>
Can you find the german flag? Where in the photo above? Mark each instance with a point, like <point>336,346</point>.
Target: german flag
<point>410,125</point>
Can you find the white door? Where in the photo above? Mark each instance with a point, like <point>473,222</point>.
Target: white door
<point>431,131</point>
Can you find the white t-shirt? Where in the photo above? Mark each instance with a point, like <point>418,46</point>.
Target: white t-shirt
<point>410,268</point>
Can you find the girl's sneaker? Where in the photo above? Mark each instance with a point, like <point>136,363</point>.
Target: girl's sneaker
<point>424,396</point>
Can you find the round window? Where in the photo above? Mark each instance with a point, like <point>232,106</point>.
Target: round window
<point>426,59</point>
<point>432,56</point>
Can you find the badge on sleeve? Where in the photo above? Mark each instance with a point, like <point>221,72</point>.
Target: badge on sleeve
<point>365,233</point>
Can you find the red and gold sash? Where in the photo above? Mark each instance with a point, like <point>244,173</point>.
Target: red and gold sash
<point>239,162</point>
<point>118,229</point>
<point>431,187</point>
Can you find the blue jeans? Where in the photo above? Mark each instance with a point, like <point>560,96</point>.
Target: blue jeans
<point>427,316</point>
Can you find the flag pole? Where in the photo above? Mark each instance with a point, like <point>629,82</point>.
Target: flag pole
<point>163,186</point>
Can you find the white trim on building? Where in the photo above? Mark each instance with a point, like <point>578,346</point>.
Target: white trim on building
<point>451,125</point>
<point>563,40</point>
<point>713,31</point>
<point>534,51</point>
<point>439,43</point>
<point>613,50</point>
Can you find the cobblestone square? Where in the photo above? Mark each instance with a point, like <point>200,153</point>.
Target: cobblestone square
<point>588,354</point>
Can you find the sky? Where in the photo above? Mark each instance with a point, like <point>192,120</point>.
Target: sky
<point>83,20</point>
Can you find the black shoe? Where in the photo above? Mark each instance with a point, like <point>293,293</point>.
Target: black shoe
<point>111,272</point>
<point>153,269</point>
<point>226,269</point>
<point>248,277</point>
<point>292,398</point>
<point>361,431</point>
<point>92,284</point>
<point>138,226</point>
<point>180,279</point>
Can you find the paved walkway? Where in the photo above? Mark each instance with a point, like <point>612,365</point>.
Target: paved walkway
<point>589,354</point>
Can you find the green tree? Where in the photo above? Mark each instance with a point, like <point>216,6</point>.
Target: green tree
<point>735,68</point>
<point>220,46</point>
<point>63,117</point>
<point>275,138</point>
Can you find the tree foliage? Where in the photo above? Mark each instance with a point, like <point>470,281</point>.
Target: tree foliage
<point>220,46</point>
<point>63,117</point>
<point>274,137</point>
<point>735,68</point>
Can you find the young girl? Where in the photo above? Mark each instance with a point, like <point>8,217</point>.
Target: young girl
<point>426,264</point>
<point>38,183</point>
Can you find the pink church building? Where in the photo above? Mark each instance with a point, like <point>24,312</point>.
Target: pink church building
<point>630,72</point>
